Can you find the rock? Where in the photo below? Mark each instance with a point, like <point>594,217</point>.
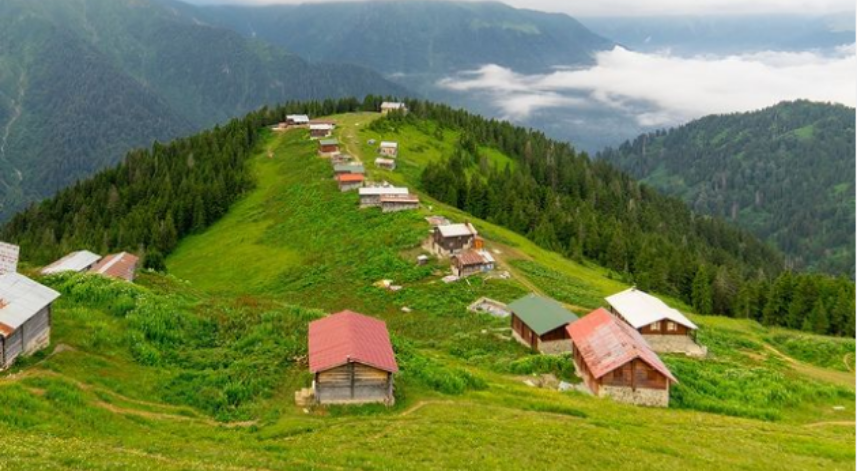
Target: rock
<point>530,383</point>
<point>406,309</point>
<point>563,386</point>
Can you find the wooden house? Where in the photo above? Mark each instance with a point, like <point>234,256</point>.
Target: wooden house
<point>25,317</point>
<point>320,130</point>
<point>349,181</point>
<point>387,164</point>
<point>388,106</point>
<point>79,261</point>
<point>615,361</point>
<point>118,265</point>
<point>451,239</point>
<point>9,255</point>
<point>339,169</point>
<point>328,147</point>
<point>297,119</point>
<point>540,322</point>
<point>395,203</point>
<point>471,262</point>
<point>371,196</point>
<point>389,149</point>
<point>351,359</point>
<point>665,329</point>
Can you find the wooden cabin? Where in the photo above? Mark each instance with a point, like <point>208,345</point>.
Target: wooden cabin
<point>665,329</point>
<point>79,261</point>
<point>395,203</point>
<point>351,359</point>
<point>349,181</point>
<point>25,317</point>
<point>614,360</point>
<point>389,149</point>
<point>386,164</point>
<point>540,323</point>
<point>320,130</point>
<point>339,169</point>
<point>388,106</point>
<point>451,239</point>
<point>328,147</point>
<point>119,265</point>
<point>471,262</point>
<point>370,197</point>
<point>9,255</point>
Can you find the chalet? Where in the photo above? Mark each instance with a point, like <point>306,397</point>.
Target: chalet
<point>340,169</point>
<point>615,361</point>
<point>9,258</point>
<point>395,203</point>
<point>351,359</point>
<point>297,119</point>
<point>471,262</point>
<point>539,323</point>
<point>371,196</point>
<point>389,106</point>
<point>665,329</point>
<point>452,239</point>
<point>328,147</point>
<point>118,265</point>
<point>79,261</point>
<point>339,159</point>
<point>349,181</point>
<point>320,130</point>
<point>389,148</point>
<point>25,317</point>
<point>387,164</point>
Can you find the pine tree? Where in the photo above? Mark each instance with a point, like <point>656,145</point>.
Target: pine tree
<point>701,295</point>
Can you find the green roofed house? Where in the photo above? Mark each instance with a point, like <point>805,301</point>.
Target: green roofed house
<point>539,323</point>
<point>328,147</point>
<point>340,169</point>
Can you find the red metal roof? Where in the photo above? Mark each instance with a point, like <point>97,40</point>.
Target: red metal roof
<point>118,265</point>
<point>349,177</point>
<point>350,337</point>
<point>606,343</point>
<point>470,257</point>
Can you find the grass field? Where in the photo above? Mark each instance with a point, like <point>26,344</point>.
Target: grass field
<point>197,369</point>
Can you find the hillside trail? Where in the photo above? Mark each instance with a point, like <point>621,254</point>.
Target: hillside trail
<point>849,363</point>
<point>349,138</point>
<point>16,114</point>
<point>841,378</point>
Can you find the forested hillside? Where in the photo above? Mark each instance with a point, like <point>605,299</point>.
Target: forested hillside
<point>84,81</point>
<point>785,173</point>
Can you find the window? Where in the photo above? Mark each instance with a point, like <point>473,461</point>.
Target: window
<point>671,327</point>
<point>655,327</point>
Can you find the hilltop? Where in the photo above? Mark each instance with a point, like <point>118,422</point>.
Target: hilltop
<point>786,173</point>
<point>213,352</point>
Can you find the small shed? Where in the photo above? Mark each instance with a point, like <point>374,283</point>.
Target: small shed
<point>320,130</point>
<point>328,147</point>
<point>79,261</point>
<point>387,164</point>
<point>388,106</point>
<point>614,360</point>
<point>389,148</point>
<point>349,181</point>
<point>450,239</point>
<point>395,203</point>
<point>665,329</point>
<point>25,317</point>
<point>471,262</point>
<point>540,322</point>
<point>118,265</point>
<point>351,359</point>
<point>371,196</point>
<point>9,255</point>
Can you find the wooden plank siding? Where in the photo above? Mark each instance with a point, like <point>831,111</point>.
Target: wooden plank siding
<point>26,339</point>
<point>353,382</point>
<point>664,327</point>
<point>525,332</point>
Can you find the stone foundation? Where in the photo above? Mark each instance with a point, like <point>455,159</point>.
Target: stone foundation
<point>675,344</point>
<point>555,347</point>
<point>639,396</point>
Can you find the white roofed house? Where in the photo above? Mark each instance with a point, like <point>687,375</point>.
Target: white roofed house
<point>389,106</point>
<point>387,164</point>
<point>25,317</point>
<point>452,239</point>
<point>79,261</point>
<point>320,130</point>
<point>297,119</point>
<point>389,148</point>
<point>665,329</point>
<point>371,196</point>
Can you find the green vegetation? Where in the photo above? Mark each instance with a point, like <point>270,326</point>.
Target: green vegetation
<point>786,173</point>
<point>836,354</point>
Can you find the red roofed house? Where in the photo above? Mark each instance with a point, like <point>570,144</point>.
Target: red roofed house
<point>118,265</point>
<point>349,181</point>
<point>614,360</point>
<point>352,359</point>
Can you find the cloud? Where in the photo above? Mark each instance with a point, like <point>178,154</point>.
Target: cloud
<point>662,89</point>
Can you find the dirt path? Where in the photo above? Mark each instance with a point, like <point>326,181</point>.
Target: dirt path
<point>520,277</point>
<point>843,423</point>
<point>849,363</point>
<point>841,378</point>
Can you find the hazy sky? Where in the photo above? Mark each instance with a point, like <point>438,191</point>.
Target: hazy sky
<point>642,7</point>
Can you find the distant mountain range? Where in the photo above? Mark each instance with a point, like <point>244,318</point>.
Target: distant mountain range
<point>785,173</point>
<point>83,81</point>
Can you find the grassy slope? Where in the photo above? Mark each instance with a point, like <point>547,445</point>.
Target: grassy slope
<point>297,240</point>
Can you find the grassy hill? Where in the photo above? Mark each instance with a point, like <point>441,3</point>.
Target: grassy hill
<point>786,173</point>
<point>197,369</point>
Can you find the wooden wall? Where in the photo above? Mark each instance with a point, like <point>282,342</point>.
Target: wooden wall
<point>660,328</point>
<point>353,382</point>
<point>635,374</point>
<point>524,331</point>
<point>26,339</point>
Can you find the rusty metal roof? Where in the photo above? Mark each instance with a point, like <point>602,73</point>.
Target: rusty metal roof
<point>21,299</point>
<point>640,309</point>
<point>470,257</point>
<point>119,265</point>
<point>606,343</point>
<point>75,261</point>
<point>349,177</point>
<point>347,337</point>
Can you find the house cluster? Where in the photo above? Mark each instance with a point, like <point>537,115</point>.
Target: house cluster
<point>614,349</point>
<point>121,265</point>
<point>292,121</point>
<point>462,245</point>
<point>389,198</point>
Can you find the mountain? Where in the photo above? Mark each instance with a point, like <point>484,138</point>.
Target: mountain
<point>786,173</point>
<point>84,81</point>
<point>198,369</point>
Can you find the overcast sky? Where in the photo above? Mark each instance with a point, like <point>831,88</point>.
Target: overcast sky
<point>641,7</point>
